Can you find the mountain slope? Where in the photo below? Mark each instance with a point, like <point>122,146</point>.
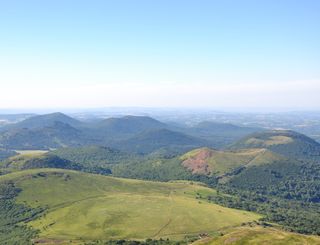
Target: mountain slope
<point>128,125</point>
<point>55,136</point>
<point>43,132</point>
<point>288,143</point>
<point>151,140</point>
<point>46,120</point>
<point>211,162</point>
<point>219,134</point>
<point>36,160</point>
<point>104,208</point>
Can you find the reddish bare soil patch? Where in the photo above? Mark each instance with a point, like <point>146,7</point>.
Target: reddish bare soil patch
<point>198,164</point>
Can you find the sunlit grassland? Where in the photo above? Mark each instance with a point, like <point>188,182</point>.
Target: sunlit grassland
<point>87,206</point>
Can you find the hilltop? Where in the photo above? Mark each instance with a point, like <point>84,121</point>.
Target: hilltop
<point>47,120</point>
<point>286,142</point>
<point>129,125</point>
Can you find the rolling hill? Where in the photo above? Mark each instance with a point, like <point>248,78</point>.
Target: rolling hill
<point>219,134</point>
<point>127,126</point>
<point>152,140</point>
<point>47,120</point>
<point>285,142</point>
<point>90,159</point>
<point>137,134</point>
<point>270,172</point>
<point>55,136</point>
<point>32,160</point>
<point>212,162</point>
<point>85,207</point>
<point>263,161</point>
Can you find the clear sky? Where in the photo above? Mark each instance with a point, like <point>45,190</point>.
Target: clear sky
<point>74,53</point>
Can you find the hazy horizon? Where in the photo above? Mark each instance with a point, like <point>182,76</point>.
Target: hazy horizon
<point>154,110</point>
<point>178,54</point>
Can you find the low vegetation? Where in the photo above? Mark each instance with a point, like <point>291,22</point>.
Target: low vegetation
<point>86,207</point>
<point>14,216</point>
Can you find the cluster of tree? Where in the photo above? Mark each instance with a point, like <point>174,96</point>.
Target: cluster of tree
<point>286,180</point>
<point>298,216</point>
<point>13,216</point>
<point>95,156</point>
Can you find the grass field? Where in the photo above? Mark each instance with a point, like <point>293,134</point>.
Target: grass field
<point>259,236</point>
<point>84,206</point>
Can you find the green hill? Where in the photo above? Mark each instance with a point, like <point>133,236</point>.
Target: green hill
<point>219,134</point>
<point>80,206</point>
<point>257,169</point>
<point>285,142</point>
<point>135,134</point>
<point>127,126</point>
<point>153,140</point>
<point>36,160</point>
<point>89,159</point>
<point>98,156</point>
<point>47,120</point>
<point>211,162</point>
<point>55,136</point>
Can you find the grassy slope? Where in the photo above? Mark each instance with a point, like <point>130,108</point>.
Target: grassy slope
<point>258,235</point>
<point>91,206</point>
<point>220,162</point>
<point>35,159</point>
<point>19,160</point>
<point>285,142</point>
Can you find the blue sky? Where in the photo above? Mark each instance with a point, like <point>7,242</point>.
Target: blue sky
<point>160,53</point>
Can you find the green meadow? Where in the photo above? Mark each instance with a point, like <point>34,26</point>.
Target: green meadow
<point>81,206</point>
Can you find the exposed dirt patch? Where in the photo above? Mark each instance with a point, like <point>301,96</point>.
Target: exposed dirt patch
<point>198,164</point>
